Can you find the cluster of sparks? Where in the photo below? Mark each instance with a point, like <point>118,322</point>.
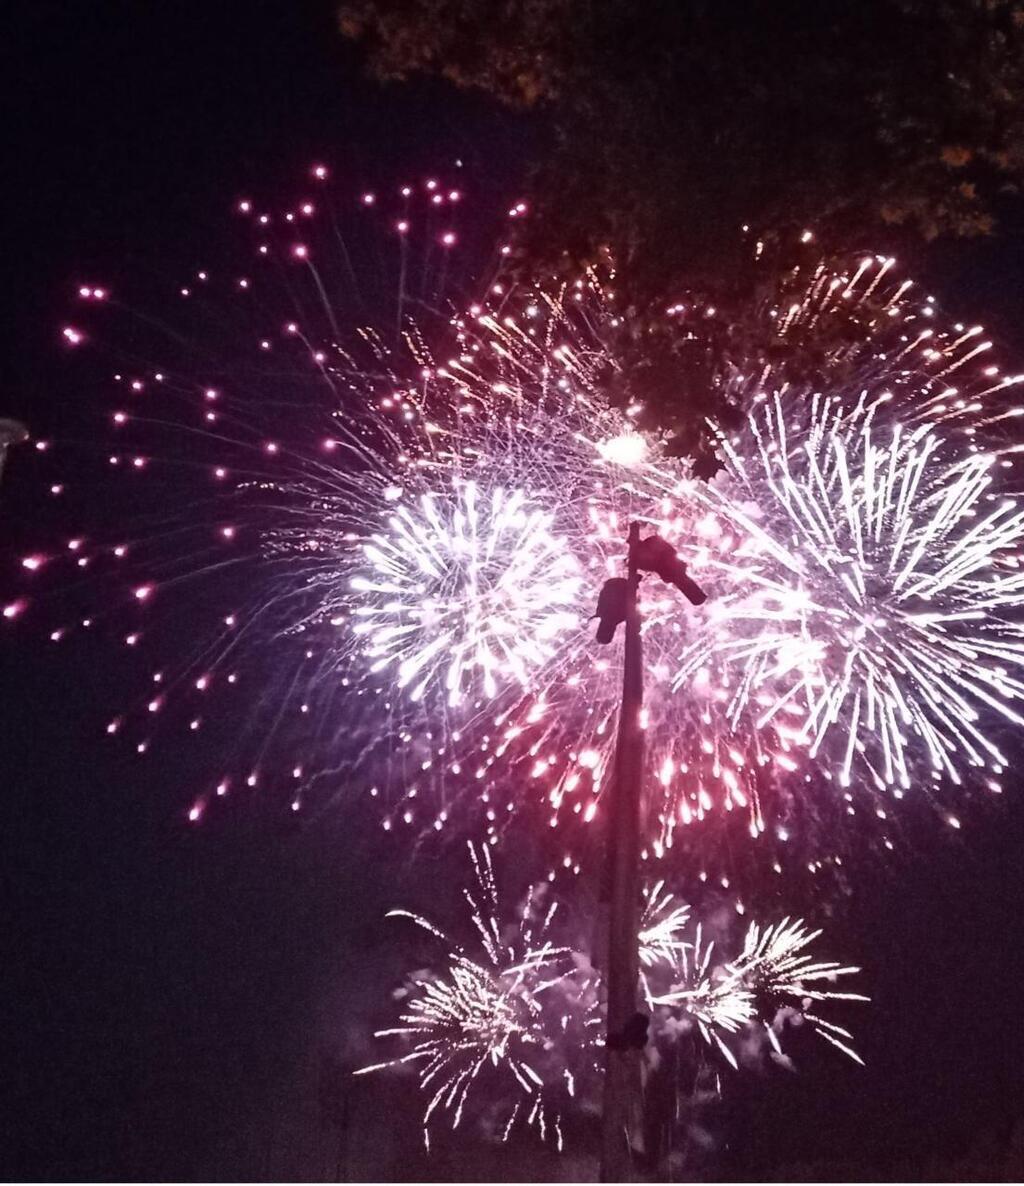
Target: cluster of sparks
<point>420,523</point>
<point>519,1010</point>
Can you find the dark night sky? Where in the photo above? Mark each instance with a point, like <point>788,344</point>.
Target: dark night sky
<point>167,993</point>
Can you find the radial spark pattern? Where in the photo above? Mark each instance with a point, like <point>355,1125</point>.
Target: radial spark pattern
<point>471,589</point>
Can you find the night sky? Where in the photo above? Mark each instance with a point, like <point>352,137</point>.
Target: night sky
<point>173,998</point>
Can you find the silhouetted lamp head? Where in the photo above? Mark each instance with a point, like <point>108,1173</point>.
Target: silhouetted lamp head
<point>656,555</point>
<point>611,607</point>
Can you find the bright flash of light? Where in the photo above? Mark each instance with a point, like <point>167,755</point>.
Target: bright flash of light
<point>627,449</point>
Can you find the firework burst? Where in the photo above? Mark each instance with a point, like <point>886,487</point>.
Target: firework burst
<point>516,1023</point>
<point>397,538</point>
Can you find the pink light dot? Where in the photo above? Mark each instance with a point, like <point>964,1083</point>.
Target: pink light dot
<point>264,345</point>
<point>58,489</point>
<point>454,195</point>
<point>228,532</point>
<point>120,418</point>
<point>203,682</point>
<point>307,208</point>
<point>222,788</point>
<point>319,356</point>
<point>229,620</point>
<point>142,747</point>
<point>300,251</point>
<point>13,609</point>
<point>211,417</point>
<point>244,206</point>
<point>42,446</point>
<point>320,172</point>
<point>74,545</point>
<point>402,226</point>
<point>185,292</point>
<point>251,780</point>
<point>56,635</point>
<point>114,725</point>
<point>264,219</point>
<point>195,812</point>
<point>431,184</point>
<point>291,328</point>
<point>330,445</point>
<point>99,294</point>
<point>137,385</point>
<point>232,678</point>
<point>131,640</point>
<point>85,292</point>
<point>271,447</point>
<point>194,724</point>
<point>448,238</point>
<point>154,705</point>
<point>211,393</point>
<point>202,275</point>
<point>120,550</point>
<point>138,462</point>
<point>220,472</point>
<point>73,336</point>
<point>368,199</point>
<point>437,199</point>
<point>295,805</point>
<point>142,592</point>
<point>406,191</point>
<point>32,563</point>
<point>243,283</point>
<point>289,217</point>
<point>264,249</point>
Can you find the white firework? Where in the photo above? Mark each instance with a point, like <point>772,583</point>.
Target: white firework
<point>773,980</point>
<point>776,970</point>
<point>521,1009</point>
<point>871,604</point>
<point>472,588</point>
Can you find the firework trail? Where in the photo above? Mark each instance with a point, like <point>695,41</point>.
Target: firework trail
<point>360,558</point>
<point>512,1028</point>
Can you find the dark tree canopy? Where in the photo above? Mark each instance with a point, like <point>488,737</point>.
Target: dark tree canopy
<point>673,124</point>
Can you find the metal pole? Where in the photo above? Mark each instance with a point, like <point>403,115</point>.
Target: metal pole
<point>622,1057</point>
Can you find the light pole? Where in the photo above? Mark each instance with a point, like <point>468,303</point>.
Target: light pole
<point>12,432</point>
<point>626,1027</point>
